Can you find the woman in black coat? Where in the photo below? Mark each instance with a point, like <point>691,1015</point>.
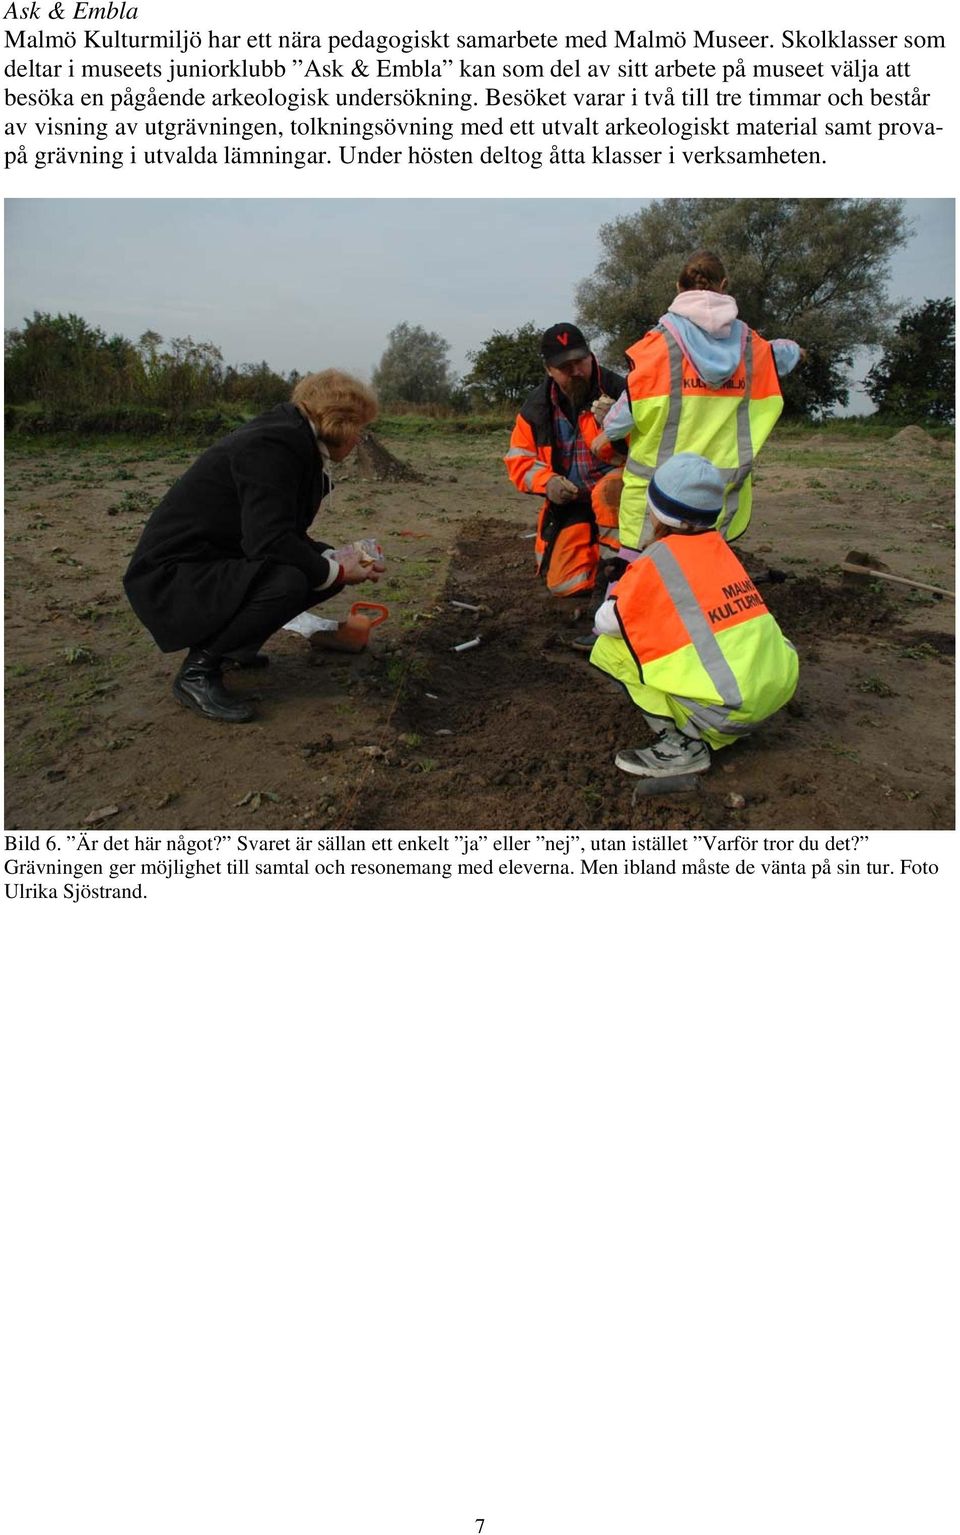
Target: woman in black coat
<point>225,559</point>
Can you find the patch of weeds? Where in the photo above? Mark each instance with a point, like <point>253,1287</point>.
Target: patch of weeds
<point>424,764</point>
<point>132,502</point>
<point>417,569</point>
<point>842,751</point>
<point>410,738</point>
<point>912,793</point>
<point>402,671</point>
<point>877,687</point>
<point>123,473</point>
<point>96,690</point>
<point>921,652</point>
<point>79,655</point>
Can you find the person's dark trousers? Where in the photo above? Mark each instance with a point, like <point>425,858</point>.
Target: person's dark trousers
<point>278,594</point>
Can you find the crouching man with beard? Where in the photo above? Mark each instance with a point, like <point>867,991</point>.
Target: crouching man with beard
<point>225,559</point>
<point>551,456</point>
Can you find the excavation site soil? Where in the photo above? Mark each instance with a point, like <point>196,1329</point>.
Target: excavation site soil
<point>517,731</point>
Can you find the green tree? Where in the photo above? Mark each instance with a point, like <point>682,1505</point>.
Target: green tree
<point>915,376</point>
<point>255,385</point>
<point>187,375</point>
<point>506,367</point>
<point>60,359</point>
<point>414,368</point>
<point>811,269</point>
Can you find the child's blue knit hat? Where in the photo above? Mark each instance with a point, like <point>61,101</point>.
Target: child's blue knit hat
<point>687,489</point>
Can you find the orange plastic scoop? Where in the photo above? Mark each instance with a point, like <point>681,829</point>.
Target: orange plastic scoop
<point>354,632</point>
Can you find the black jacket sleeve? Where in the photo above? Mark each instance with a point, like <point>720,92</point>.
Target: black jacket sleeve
<point>268,480</point>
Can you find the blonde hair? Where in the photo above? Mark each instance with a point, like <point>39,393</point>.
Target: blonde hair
<point>339,406</point>
<point>704,269</point>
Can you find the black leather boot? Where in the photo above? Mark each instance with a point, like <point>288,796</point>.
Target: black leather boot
<point>198,685</point>
<point>247,660</point>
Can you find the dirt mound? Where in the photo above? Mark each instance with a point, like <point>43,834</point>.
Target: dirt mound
<point>375,462</point>
<point>913,439</point>
<point>811,606</point>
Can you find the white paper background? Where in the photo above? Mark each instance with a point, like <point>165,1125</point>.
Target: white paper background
<point>567,1205</point>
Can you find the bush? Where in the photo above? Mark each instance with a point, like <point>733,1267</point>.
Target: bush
<point>131,420</point>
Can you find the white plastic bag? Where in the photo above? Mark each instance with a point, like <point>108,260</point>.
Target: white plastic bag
<point>308,623</point>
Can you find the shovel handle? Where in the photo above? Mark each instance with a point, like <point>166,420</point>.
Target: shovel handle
<point>372,607</point>
<point>888,575</point>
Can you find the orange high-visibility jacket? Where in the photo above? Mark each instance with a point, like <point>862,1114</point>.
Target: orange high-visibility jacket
<point>530,464</point>
<point>675,411</point>
<point>697,628</point>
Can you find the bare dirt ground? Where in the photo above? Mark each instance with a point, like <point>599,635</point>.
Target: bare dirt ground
<point>518,732</point>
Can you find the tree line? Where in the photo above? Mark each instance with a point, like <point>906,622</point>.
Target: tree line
<point>815,270</point>
<point>53,359</point>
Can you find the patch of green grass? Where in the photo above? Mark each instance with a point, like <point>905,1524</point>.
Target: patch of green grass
<point>877,687</point>
<point>132,502</point>
<point>402,672</point>
<point>79,655</point>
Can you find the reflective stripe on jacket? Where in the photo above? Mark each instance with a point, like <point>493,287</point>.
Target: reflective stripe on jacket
<point>696,628</point>
<point>530,464</point>
<point>675,411</point>
<point>530,458</point>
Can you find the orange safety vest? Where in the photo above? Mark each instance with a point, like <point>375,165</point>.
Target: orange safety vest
<point>676,411</point>
<point>696,628</point>
<point>569,538</point>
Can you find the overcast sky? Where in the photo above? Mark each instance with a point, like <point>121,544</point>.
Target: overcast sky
<point>310,283</point>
